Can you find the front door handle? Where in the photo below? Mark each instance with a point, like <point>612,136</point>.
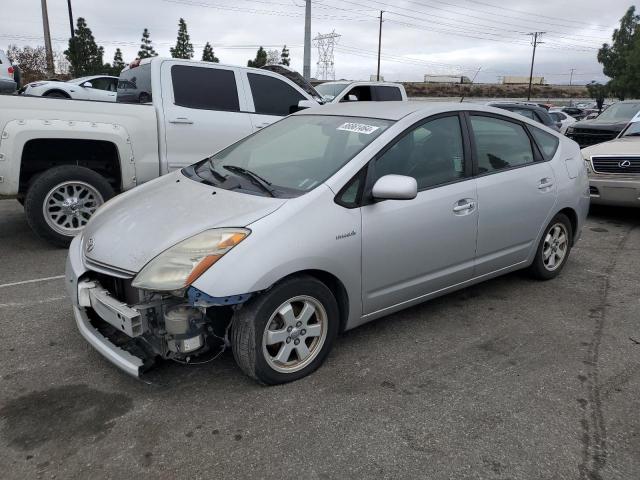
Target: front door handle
<point>465,205</point>
<point>182,120</point>
<point>545,184</point>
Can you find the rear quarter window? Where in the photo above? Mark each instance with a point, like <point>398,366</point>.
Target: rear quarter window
<point>547,143</point>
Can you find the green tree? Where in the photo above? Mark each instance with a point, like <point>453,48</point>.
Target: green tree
<point>146,46</point>
<point>284,57</point>
<point>83,53</point>
<point>208,55</point>
<point>118,63</point>
<point>260,60</point>
<point>183,48</point>
<point>619,59</point>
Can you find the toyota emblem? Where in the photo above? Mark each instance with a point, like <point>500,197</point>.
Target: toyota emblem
<point>624,164</point>
<point>90,244</point>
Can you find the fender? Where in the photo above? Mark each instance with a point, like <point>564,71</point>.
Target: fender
<point>17,133</point>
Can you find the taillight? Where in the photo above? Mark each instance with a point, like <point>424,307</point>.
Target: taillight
<point>10,70</point>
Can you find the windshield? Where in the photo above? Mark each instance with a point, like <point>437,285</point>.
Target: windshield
<point>329,91</point>
<point>620,112</point>
<point>291,157</point>
<point>631,130</point>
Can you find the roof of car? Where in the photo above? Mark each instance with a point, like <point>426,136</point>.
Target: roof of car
<point>389,110</point>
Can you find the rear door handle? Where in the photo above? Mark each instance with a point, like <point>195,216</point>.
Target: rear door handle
<point>464,206</point>
<point>545,183</point>
<point>183,120</point>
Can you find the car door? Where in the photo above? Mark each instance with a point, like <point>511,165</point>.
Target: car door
<point>271,98</point>
<point>516,191</point>
<point>411,248</point>
<point>103,89</point>
<point>204,111</point>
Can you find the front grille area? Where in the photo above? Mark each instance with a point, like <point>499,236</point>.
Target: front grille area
<point>616,164</point>
<point>586,137</point>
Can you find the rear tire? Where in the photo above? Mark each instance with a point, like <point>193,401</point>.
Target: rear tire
<point>287,332</point>
<point>553,250</point>
<point>60,202</point>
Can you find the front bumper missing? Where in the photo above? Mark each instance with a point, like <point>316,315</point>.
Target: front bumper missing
<point>116,355</point>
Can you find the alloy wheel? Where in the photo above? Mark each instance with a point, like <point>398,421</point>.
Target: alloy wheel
<point>68,206</point>
<point>555,247</point>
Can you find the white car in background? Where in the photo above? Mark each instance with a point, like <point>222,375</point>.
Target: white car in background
<point>562,119</point>
<point>7,80</point>
<point>98,87</point>
<point>337,92</point>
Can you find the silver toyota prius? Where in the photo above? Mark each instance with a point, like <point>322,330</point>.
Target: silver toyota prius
<point>327,219</point>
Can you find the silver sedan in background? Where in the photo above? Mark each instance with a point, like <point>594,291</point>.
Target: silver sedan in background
<point>328,219</point>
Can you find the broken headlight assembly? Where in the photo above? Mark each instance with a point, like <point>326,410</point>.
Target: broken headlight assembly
<point>179,266</point>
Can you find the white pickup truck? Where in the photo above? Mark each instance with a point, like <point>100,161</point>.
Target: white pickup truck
<point>62,159</point>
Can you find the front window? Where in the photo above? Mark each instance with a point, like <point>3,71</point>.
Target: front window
<point>329,91</point>
<point>291,157</point>
<point>620,112</point>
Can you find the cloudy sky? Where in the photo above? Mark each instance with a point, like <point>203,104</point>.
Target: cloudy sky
<point>419,37</point>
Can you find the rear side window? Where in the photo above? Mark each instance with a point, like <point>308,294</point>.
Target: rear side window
<point>134,85</point>
<point>500,144</point>
<point>388,94</point>
<point>547,143</point>
<point>362,93</point>
<point>272,96</point>
<point>205,88</point>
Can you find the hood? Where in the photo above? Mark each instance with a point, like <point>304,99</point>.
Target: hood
<point>619,146</point>
<point>597,124</point>
<point>133,228</point>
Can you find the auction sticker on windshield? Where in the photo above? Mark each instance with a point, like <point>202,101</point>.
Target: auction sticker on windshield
<point>358,128</point>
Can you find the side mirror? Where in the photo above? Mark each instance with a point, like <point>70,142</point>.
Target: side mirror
<point>395,187</point>
<point>352,98</point>
<point>87,85</point>
<point>304,104</point>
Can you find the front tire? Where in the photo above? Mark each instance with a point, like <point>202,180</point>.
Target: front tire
<point>287,332</point>
<point>60,202</point>
<point>553,250</point>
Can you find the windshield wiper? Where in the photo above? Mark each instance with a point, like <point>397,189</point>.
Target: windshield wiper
<point>254,177</point>
<point>215,173</point>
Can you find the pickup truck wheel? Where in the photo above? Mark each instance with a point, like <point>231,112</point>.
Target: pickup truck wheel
<point>60,202</point>
<point>287,332</point>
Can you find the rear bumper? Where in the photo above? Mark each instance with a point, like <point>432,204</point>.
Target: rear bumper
<point>7,86</point>
<point>624,192</point>
<point>74,270</point>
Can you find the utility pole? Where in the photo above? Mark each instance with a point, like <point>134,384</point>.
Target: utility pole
<point>47,39</point>
<point>306,67</point>
<point>379,44</point>
<point>570,84</point>
<point>535,43</point>
<point>70,18</point>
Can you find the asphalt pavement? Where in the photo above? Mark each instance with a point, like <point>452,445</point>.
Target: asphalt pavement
<point>510,379</point>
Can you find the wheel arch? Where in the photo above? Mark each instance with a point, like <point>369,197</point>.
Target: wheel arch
<point>572,215</point>
<point>56,90</point>
<point>41,154</point>
<point>334,284</point>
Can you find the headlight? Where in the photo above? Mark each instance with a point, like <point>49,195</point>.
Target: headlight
<point>179,266</point>
<point>569,131</point>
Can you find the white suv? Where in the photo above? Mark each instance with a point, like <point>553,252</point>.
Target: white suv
<point>7,81</point>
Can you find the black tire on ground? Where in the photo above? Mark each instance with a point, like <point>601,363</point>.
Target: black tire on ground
<point>44,183</point>
<point>56,95</point>
<point>538,270</point>
<point>250,321</point>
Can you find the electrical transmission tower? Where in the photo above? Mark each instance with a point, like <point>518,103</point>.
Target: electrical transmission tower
<point>325,43</point>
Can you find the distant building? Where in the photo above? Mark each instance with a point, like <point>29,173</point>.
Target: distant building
<point>514,80</point>
<point>450,79</point>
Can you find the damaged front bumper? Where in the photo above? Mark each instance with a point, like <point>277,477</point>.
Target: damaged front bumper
<point>131,328</point>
